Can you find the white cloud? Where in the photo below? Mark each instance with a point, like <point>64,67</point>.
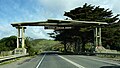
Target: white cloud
<point>45,10</point>
<point>37,32</point>
<point>6,32</point>
<point>67,5</point>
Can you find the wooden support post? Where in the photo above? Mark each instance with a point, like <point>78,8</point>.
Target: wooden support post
<point>100,43</point>
<point>23,38</point>
<point>18,36</point>
<point>96,36</point>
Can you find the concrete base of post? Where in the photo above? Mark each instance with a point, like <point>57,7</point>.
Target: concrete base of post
<point>20,51</point>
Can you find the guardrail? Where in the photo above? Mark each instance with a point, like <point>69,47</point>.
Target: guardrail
<point>112,55</point>
<point>103,54</point>
<point>97,54</point>
<point>11,57</point>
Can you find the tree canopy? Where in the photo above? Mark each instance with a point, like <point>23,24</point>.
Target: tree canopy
<point>8,43</point>
<point>80,36</point>
<point>92,13</point>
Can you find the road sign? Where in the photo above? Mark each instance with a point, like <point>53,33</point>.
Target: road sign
<point>56,27</point>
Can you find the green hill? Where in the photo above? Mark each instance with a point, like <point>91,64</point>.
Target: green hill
<point>37,46</point>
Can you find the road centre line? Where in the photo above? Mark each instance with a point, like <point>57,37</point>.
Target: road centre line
<point>77,65</point>
<point>40,61</point>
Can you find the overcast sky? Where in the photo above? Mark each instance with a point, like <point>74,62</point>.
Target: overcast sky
<point>38,10</point>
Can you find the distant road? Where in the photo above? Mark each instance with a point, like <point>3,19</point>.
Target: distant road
<point>63,61</point>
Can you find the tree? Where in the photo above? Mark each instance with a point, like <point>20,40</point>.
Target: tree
<point>85,13</point>
<point>8,43</point>
<point>29,46</point>
<point>111,36</point>
<point>92,13</point>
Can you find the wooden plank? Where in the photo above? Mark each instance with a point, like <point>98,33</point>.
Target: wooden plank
<point>75,21</point>
<point>51,22</point>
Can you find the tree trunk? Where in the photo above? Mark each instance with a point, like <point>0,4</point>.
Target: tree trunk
<point>65,50</point>
<point>75,47</point>
<point>83,42</point>
<point>78,43</point>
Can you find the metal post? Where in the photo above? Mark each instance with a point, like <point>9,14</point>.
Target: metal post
<point>18,40</point>
<point>23,38</point>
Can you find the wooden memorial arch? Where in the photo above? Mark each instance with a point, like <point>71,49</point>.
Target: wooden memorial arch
<point>57,24</point>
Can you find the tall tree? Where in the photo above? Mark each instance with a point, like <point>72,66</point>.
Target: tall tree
<point>85,13</point>
<point>92,13</point>
<point>8,43</point>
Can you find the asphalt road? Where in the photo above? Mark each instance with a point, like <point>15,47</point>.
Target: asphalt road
<point>63,61</point>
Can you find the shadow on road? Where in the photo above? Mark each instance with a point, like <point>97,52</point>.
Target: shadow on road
<point>110,67</point>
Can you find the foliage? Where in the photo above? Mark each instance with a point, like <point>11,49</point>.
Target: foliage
<point>92,13</point>
<point>44,45</point>
<point>36,46</point>
<point>89,47</point>
<point>58,47</point>
<point>110,37</point>
<point>8,43</point>
<point>80,36</point>
<point>29,46</point>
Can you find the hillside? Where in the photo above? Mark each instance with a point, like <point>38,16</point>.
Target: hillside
<point>37,46</point>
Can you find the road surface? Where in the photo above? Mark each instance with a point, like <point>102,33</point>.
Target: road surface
<point>63,61</point>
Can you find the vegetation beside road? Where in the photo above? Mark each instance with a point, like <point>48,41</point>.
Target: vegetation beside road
<point>36,46</point>
<point>33,46</point>
<point>8,43</point>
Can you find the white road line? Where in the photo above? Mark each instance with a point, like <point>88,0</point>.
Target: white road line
<point>77,65</point>
<point>40,61</point>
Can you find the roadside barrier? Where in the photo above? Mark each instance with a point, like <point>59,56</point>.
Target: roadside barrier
<point>11,57</point>
<point>111,55</point>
